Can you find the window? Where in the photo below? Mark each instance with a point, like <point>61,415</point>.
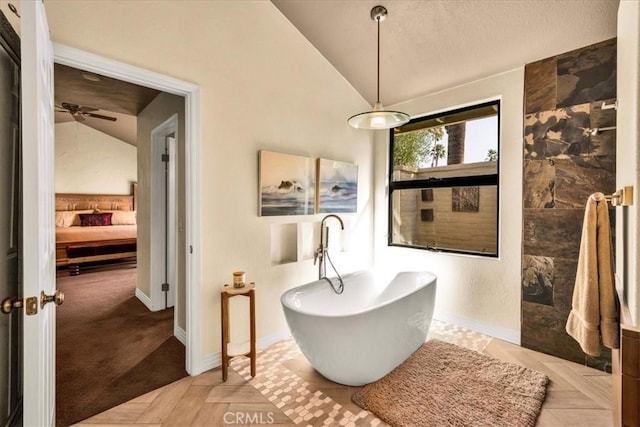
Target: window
<point>443,175</point>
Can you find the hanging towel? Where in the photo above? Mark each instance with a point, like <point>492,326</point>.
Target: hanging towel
<point>594,310</point>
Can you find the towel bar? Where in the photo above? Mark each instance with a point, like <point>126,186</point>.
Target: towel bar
<point>596,131</point>
<point>622,197</point>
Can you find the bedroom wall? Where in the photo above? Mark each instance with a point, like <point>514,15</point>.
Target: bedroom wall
<point>263,86</point>
<point>470,288</point>
<point>159,110</point>
<point>89,161</point>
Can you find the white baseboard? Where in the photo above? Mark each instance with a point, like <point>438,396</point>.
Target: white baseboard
<point>272,338</point>
<point>211,361</point>
<point>504,334</point>
<point>144,299</point>
<point>214,360</point>
<point>180,334</point>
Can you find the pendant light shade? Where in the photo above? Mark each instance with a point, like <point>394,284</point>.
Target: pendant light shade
<point>378,118</point>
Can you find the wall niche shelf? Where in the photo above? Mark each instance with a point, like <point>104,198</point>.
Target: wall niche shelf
<point>284,243</point>
<point>293,242</point>
<point>308,239</point>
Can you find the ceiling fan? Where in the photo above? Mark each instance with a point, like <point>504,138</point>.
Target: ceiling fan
<point>80,112</point>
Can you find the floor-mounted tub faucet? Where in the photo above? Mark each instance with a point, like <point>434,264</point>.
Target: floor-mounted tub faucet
<point>322,254</point>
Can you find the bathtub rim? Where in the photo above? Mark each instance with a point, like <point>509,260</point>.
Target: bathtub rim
<point>432,282</point>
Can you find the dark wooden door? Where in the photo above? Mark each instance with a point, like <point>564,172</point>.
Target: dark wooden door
<point>10,230</point>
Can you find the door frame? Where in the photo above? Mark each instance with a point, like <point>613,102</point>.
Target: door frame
<point>76,58</point>
<point>158,137</point>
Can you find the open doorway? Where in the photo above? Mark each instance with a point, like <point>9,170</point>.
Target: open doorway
<point>108,325</point>
<point>165,203</point>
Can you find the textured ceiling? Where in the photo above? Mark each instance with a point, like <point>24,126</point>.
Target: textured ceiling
<point>428,46</point>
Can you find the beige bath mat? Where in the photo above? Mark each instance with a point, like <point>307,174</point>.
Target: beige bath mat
<point>443,384</point>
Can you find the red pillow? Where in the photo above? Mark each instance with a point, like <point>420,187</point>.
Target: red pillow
<point>95,219</point>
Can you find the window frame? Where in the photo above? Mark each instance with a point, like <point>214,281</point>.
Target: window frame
<point>455,181</point>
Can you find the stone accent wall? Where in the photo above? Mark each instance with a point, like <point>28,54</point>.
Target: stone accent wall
<point>563,164</point>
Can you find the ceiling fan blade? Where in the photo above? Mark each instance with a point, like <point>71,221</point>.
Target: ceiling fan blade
<point>78,117</point>
<point>100,116</point>
<point>88,109</point>
<point>71,107</point>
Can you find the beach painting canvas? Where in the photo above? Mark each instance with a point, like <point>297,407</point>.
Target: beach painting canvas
<point>337,187</point>
<point>287,184</point>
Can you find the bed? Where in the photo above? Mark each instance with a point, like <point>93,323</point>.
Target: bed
<point>95,227</point>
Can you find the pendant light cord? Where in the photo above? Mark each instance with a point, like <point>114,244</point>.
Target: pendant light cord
<point>378,118</point>
<point>378,88</point>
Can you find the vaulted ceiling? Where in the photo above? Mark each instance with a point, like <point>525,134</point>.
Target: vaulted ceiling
<point>426,46</point>
<point>431,45</point>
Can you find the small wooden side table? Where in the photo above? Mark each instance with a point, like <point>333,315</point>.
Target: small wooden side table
<point>231,350</point>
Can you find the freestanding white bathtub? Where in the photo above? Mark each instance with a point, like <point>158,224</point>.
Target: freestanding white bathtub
<point>359,336</point>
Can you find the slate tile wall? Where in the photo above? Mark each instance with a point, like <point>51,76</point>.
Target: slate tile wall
<point>564,162</point>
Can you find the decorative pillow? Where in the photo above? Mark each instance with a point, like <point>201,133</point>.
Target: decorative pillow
<point>123,218</point>
<point>60,217</point>
<point>69,218</point>
<point>92,220</point>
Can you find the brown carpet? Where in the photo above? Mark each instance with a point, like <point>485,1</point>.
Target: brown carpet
<point>110,347</point>
<point>442,384</point>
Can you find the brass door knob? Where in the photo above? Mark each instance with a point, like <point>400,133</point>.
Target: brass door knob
<point>8,304</point>
<point>57,298</point>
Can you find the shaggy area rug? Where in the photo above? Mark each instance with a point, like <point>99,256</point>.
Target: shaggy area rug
<point>443,384</point>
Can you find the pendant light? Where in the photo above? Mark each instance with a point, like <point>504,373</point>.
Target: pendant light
<point>378,118</point>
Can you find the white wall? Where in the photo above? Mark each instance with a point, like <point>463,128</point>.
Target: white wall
<point>89,161</point>
<point>263,86</point>
<point>479,293</point>
<point>627,159</point>
<point>158,111</point>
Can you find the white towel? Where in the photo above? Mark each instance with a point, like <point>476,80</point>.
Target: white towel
<point>595,308</point>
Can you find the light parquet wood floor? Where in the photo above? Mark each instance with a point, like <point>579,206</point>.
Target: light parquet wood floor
<point>576,396</point>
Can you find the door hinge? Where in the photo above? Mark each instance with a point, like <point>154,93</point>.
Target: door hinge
<point>190,249</point>
<point>165,287</point>
<point>165,158</point>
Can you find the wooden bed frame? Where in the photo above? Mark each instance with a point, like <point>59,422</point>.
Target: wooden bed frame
<point>76,202</point>
<point>72,254</point>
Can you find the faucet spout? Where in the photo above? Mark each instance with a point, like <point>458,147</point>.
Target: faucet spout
<point>333,216</point>
<point>323,242</point>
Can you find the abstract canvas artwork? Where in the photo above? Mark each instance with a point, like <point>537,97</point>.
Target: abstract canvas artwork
<point>337,187</point>
<point>287,184</point>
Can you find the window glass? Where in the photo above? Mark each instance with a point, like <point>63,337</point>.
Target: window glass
<point>444,181</point>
